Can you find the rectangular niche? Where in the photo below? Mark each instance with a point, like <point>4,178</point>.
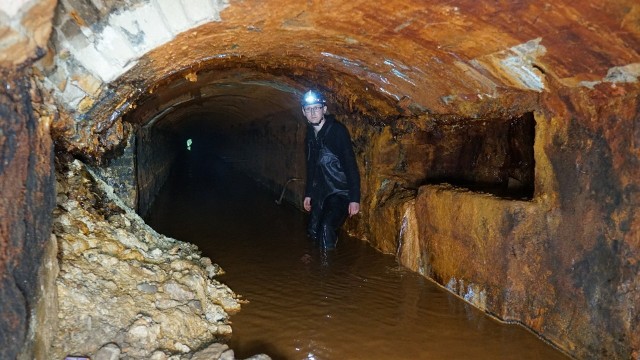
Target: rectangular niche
<point>491,156</point>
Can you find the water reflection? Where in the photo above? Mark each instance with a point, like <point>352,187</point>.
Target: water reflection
<point>305,303</point>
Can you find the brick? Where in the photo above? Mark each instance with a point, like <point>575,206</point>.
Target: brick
<point>113,45</point>
<point>85,104</point>
<point>96,63</point>
<point>59,77</point>
<point>100,6</point>
<point>198,11</point>
<point>144,26</point>
<point>79,42</point>
<point>111,5</point>
<point>87,82</point>
<point>84,10</point>
<point>174,15</point>
<point>59,17</point>
<point>70,29</point>
<point>72,95</point>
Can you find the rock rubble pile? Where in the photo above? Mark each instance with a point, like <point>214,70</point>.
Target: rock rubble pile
<point>126,291</point>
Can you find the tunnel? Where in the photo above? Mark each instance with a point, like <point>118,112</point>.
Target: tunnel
<point>257,123</point>
<point>497,143</point>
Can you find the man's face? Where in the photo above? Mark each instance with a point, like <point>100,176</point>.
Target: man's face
<point>314,113</point>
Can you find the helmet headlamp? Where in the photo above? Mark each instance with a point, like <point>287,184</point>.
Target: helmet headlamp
<point>312,97</point>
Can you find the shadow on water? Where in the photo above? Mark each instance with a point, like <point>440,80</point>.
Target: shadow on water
<point>352,303</point>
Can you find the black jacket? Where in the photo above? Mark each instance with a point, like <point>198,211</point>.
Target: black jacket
<point>327,175</point>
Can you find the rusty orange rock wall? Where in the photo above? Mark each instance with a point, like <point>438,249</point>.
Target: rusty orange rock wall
<point>522,260</point>
<point>566,263</point>
<point>592,145</point>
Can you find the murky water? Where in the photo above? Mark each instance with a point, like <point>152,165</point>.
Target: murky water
<point>353,303</point>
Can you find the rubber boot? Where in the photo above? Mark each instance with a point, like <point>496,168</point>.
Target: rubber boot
<point>328,237</point>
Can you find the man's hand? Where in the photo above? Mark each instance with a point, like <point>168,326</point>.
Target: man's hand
<point>354,208</point>
<point>307,203</point>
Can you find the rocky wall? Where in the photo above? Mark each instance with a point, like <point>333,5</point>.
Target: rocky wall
<point>593,149</point>
<point>25,27</point>
<point>125,290</point>
<point>26,183</point>
<point>564,264</point>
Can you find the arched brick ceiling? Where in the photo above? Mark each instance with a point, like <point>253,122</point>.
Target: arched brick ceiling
<point>426,54</point>
<point>219,103</point>
<point>422,50</point>
<point>458,58</point>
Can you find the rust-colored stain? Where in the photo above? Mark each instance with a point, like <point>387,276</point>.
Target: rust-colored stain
<point>77,18</point>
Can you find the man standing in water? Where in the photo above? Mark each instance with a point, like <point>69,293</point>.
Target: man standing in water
<point>333,182</point>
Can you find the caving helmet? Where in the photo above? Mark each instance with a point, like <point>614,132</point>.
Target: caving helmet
<point>312,97</point>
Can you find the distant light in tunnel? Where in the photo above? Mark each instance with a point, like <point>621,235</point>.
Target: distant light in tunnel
<point>189,142</point>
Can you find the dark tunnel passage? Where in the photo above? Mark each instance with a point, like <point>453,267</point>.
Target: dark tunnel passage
<point>251,124</point>
<point>258,125</point>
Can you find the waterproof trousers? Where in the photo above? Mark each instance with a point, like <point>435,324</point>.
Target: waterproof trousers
<point>326,220</point>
